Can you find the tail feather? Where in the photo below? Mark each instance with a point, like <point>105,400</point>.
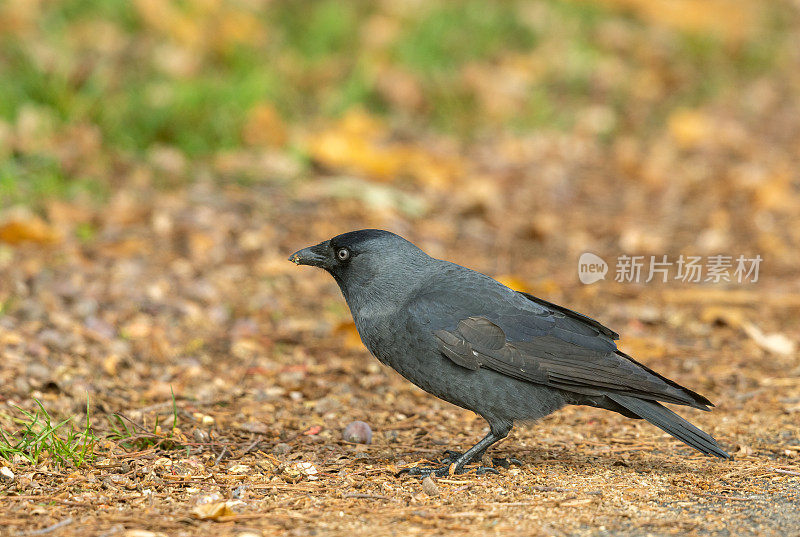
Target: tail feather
<point>670,422</point>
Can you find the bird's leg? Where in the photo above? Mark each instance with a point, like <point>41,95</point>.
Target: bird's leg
<point>496,433</point>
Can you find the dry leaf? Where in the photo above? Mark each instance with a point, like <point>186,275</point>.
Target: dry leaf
<point>25,227</point>
<point>214,510</point>
<point>732,21</point>
<point>300,470</point>
<point>730,316</point>
<point>514,282</point>
<point>240,469</point>
<point>642,347</point>
<point>774,343</point>
<point>265,127</point>
<point>361,144</point>
<point>143,533</point>
<point>689,128</point>
<point>351,338</point>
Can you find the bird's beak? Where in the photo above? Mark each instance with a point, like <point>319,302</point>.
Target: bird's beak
<point>316,256</point>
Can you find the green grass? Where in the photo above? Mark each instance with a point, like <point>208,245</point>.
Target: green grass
<point>33,179</point>
<point>38,436</point>
<point>133,436</point>
<point>452,34</point>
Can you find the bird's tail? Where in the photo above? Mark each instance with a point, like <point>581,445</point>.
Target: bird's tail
<point>668,421</point>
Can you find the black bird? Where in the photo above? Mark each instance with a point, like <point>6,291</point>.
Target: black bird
<point>506,355</point>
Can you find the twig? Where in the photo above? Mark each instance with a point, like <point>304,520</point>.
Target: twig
<point>455,481</point>
<point>404,424</point>
<point>540,488</point>
<point>67,521</point>
<point>221,454</point>
<point>724,497</point>
<point>47,499</point>
<point>157,406</point>
<point>142,427</point>
<point>250,448</point>
<point>361,495</point>
<point>787,472</point>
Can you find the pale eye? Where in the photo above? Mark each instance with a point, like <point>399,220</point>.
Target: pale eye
<point>343,254</point>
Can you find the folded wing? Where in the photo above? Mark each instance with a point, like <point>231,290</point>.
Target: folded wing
<point>556,358</point>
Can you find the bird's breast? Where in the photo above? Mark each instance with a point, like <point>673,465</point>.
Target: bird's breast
<point>406,349</point>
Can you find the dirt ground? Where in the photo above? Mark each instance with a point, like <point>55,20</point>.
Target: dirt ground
<point>147,212</point>
<point>188,292</point>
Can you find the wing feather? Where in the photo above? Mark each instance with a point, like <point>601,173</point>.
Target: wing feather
<point>478,342</point>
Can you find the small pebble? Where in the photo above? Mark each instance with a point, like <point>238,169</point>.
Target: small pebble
<point>281,449</point>
<point>6,475</point>
<point>358,432</point>
<point>429,487</point>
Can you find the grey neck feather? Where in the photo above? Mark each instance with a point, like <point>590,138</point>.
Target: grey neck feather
<point>375,292</point>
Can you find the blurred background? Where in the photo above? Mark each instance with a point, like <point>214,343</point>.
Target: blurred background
<point>523,127</point>
<point>160,159</point>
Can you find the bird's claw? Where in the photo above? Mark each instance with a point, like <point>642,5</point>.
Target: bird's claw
<point>444,471</point>
<point>452,461</point>
<point>425,471</point>
<point>481,470</point>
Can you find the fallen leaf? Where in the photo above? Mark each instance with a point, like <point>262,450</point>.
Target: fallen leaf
<point>264,127</point>
<point>240,469</point>
<point>717,17</point>
<point>643,347</point>
<point>214,510</point>
<point>774,343</point>
<point>730,316</point>
<point>351,338</point>
<point>143,533</point>
<point>689,127</point>
<point>361,144</point>
<point>298,471</point>
<point>514,282</point>
<point>23,227</point>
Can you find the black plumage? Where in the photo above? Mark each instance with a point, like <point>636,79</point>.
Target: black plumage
<point>506,355</point>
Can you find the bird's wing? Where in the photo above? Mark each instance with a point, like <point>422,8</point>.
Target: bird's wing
<point>557,359</point>
<point>572,318</point>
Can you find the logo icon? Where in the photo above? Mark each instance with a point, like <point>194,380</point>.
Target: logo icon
<point>591,268</point>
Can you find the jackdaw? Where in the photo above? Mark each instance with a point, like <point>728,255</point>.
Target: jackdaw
<point>503,354</point>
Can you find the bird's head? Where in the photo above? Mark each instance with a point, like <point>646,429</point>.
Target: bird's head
<point>365,259</point>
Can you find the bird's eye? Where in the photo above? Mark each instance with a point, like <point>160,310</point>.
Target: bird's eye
<point>343,254</point>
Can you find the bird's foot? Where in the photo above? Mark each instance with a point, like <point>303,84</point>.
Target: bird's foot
<point>444,471</point>
<point>455,463</point>
<point>425,471</point>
